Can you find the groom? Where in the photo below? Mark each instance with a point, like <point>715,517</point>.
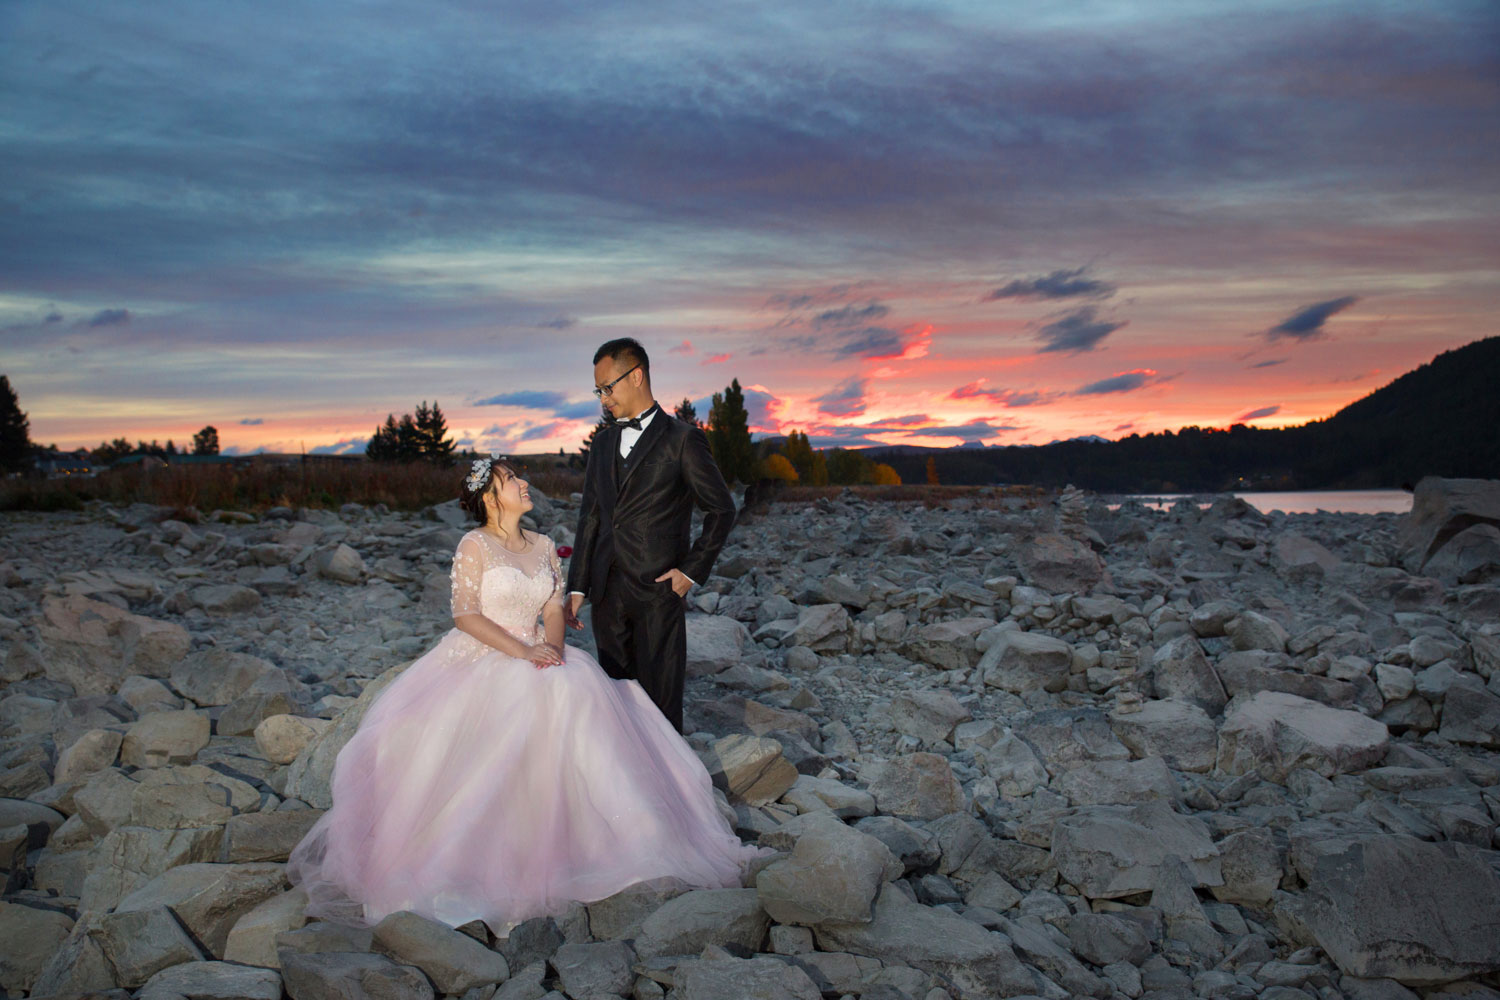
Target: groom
<point>633,558</point>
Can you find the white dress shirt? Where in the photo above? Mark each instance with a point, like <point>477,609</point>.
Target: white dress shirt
<point>628,437</point>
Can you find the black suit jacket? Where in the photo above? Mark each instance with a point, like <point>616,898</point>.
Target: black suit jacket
<point>640,520</point>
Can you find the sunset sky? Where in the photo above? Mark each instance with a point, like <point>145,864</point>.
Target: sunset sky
<point>924,222</point>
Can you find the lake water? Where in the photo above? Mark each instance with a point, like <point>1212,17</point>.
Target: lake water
<point>1304,501</point>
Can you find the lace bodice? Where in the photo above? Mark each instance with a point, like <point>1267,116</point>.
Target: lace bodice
<point>509,588</point>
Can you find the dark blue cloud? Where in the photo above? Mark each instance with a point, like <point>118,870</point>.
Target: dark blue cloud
<point>1271,363</point>
<point>106,317</point>
<point>844,400</point>
<point>1122,382</point>
<point>1062,284</point>
<point>851,315</point>
<point>1076,332</point>
<point>1264,411</point>
<point>1010,398</point>
<point>1307,323</point>
<point>252,421</point>
<point>555,402</point>
<point>873,342</point>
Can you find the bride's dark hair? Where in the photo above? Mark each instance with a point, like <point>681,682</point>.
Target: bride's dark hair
<point>473,499</point>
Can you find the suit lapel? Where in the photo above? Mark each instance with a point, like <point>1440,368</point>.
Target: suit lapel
<point>652,433</point>
<point>610,446</point>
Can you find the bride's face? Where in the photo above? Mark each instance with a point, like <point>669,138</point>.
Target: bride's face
<point>508,492</point>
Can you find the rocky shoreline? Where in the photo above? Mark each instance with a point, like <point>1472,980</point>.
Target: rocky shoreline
<point>1002,749</point>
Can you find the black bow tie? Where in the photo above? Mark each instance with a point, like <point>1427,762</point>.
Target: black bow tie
<point>634,421</point>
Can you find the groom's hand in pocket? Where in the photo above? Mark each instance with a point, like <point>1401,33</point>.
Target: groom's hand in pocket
<point>680,582</point>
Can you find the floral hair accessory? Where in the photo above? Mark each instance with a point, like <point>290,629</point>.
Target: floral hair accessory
<point>479,472</point>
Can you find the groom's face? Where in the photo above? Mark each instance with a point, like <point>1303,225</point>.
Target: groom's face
<point>627,398</point>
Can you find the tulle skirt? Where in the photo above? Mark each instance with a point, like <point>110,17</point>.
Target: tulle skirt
<point>479,787</point>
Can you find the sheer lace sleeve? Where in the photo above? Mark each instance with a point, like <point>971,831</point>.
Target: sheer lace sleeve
<point>559,594</point>
<point>468,570</point>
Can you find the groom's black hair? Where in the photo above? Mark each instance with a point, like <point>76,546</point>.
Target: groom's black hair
<point>626,349</point>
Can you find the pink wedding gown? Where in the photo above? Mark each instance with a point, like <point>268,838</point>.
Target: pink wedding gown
<point>479,787</point>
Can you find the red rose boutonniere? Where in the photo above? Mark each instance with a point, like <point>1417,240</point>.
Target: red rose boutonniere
<point>563,551</point>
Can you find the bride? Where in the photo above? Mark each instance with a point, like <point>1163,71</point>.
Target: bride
<point>503,774</point>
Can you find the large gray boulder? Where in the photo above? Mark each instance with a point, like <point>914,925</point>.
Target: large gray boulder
<point>1395,907</point>
<point>1252,867</point>
<point>1027,661</point>
<point>947,645</point>
<point>338,562</point>
<point>823,628</point>
<point>1113,851</point>
<point>163,738</point>
<point>1180,670</point>
<point>689,923</point>
<point>916,786</point>
<point>715,643</point>
<point>751,768</point>
<point>1473,718</point>
<point>929,715</point>
<point>1060,564</point>
<point>1441,509</point>
<point>93,646</point>
<point>31,936</point>
<point>833,874</point>
<point>453,961</point>
<point>1118,782</point>
<point>140,943</point>
<point>208,898</point>
<point>594,968</point>
<point>350,976</point>
<point>213,981</point>
<point>1272,733</point>
<point>759,978</point>
<point>1471,556</point>
<point>218,676</point>
<point>1179,732</point>
<point>252,939</point>
<point>976,964</point>
<point>131,856</point>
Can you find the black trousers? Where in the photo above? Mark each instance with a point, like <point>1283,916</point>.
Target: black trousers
<point>643,637</point>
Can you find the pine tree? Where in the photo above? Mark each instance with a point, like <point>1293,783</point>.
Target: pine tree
<point>171,448</point>
<point>205,442</point>
<point>437,446</point>
<point>686,412</point>
<point>408,440</point>
<point>15,430</point>
<point>382,446</point>
<point>932,475</point>
<point>729,435</point>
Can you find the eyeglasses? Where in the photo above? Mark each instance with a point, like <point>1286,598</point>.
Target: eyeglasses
<point>608,388</point>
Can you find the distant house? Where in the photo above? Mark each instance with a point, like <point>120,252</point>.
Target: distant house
<point>156,461</point>
<point>64,464</point>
